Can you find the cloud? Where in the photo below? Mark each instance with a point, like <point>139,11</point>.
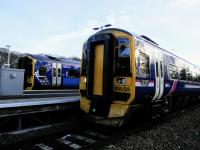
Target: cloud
<point>62,44</point>
<point>185,3</point>
<point>120,19</point>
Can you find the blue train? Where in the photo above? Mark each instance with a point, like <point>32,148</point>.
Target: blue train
<point>123,73</point>
<point>46,72</point>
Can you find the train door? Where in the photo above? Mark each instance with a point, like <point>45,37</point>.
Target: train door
<point>99,77</point>
<point>54,74</point>
<point>159,75</point>
<point>58,83</point>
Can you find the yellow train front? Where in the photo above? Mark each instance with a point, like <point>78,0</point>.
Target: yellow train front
<point>107,81</point>
<point>122,72</point>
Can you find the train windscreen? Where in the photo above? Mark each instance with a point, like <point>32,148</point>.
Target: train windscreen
<point>122,57</point>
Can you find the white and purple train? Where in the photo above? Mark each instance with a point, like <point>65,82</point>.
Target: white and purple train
<point>46,72</point>
<point>123,72</point>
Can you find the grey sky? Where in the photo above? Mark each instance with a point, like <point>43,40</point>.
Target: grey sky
<point>60,27</point>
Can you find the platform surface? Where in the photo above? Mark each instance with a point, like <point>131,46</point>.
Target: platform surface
<point>14,103</point>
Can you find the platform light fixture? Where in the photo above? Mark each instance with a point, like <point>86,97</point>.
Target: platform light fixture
<point>8,62</point>
<point>102,27</point>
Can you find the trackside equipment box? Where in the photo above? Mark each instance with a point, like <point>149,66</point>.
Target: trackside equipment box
<point>11,81</point>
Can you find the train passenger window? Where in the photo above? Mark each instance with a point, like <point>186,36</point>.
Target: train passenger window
<point>198,78</point>
<point>195,77</point>
<point>143,70</point>
<point>42,71</point>
<point>189,75</point>
<point>173,71</point>
<point>182,74</point>
<point>73,73</point>
<point>122,56</point>
<point>67,73</point>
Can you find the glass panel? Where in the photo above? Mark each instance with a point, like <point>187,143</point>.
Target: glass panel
<point>59,72</point>
<point>173,71</point>
<point>182,74</point>
<point>161,68</point>
<point>122,57</point>
<point>84,60</point>
<point>74,73</point>
<point>42,71</point>
<point>156,68</point>
<point>143,66</point>
<point>67,73</point>
<point>189,75</point>
<point>54,72</point>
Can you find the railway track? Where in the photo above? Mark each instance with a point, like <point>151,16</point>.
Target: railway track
<point>92,136</point>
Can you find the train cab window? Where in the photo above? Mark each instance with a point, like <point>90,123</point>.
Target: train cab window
<point>122,56</point>
<point>173,71</point>
<point>182,74</point>
<point>143,70</point>
<point>42,71</point>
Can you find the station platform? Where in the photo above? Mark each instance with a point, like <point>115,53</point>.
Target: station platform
<point>25,113</point>
<point>14,103</point>
<point>12,106</point>
<point>28,94</point>
<point>50,91</point>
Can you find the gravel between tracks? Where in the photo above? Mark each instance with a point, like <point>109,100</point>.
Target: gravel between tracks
<point>181,132</point>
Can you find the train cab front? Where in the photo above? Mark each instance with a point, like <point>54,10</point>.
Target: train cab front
<point>107,77</point>
<point>27,63</point>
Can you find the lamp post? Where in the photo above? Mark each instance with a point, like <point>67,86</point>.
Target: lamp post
<point>8,48</point>
<point>102,27</point>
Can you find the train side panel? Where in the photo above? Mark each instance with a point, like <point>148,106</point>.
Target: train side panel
<point>43,74</point>
<point>70,76</point>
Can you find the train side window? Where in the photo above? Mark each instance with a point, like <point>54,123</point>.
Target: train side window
<point>189,75</point>
<point>198,78</point>
<point>73,73</point>
<point>195,77</point>
<point>143,70</point>
<point>42,71</point>
<point>182,74</point>
<point>173,71</point>
<point>67,73</point>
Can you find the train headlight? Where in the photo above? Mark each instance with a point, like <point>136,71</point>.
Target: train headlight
<point>121,80</point>
<point>85,80</point>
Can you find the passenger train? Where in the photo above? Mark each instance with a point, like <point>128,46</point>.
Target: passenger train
<point>45,72</point>
<point>122,72</point>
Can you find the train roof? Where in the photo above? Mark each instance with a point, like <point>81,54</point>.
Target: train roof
<point>44,57</point>
<point>157,45</point>
<point>147,40</point>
